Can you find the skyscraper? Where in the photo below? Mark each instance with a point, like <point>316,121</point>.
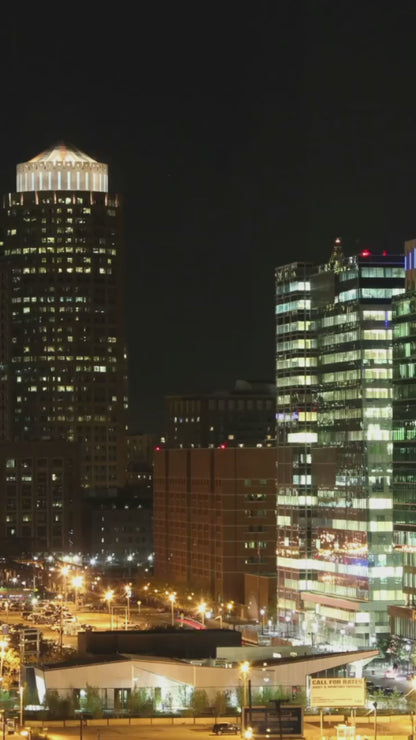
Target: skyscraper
<point>62,342</point>
<point>336,565</point>
<point>404,443</point>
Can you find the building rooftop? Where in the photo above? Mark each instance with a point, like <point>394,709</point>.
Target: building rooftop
<point>62,153</point>
<point>62,167</point>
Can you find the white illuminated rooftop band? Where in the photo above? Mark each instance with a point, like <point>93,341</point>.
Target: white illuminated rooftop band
<point>62,168</point>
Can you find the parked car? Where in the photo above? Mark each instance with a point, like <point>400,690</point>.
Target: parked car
<point>226,728</point>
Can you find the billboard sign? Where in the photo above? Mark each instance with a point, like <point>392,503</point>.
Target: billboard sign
<point>286,721</point>
<point>337,692</point>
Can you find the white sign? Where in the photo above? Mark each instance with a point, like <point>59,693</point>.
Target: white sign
<point>337,692</point>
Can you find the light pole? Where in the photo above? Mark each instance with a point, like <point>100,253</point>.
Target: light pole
<point>287,619</point>
<point>139,603</point>
<point>77,582</point>
<point>202,609</point>
<point>128,597</point>
<point>244,669</point>
<point>61,631</point>
<point>108,597</point>
<point>172,603</point>
<point>64,573</point>
<point>262,613</point>
<point>375,719</point>
<point>21,706</point>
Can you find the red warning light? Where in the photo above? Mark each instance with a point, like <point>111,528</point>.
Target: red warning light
<point>223,446</point>
<point>366,253</point>
<point>157,448</point>
<point>385,253</point>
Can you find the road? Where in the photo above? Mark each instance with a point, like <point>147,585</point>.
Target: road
<point>145,732</point>
<point>202,730</point>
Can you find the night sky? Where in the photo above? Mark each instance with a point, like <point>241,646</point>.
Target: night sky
<point>241,136</point>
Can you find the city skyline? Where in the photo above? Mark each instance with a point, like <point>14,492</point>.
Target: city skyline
<point>234,142</point>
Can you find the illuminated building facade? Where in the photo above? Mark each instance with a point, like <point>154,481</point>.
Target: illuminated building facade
<point>404,442</point>
<point>64,371</point>
<point>336,566</point>
<point>301,287</point>
<point>296,429</point>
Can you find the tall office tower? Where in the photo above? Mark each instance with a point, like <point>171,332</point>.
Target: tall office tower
<point>65,368</point>
<point>296,430</point>
<point>404,443</point>
<point>339,515</point>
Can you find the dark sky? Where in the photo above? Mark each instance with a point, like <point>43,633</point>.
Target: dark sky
<point>242,136</point>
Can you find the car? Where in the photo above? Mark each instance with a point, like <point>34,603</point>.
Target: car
<point>225,728</point>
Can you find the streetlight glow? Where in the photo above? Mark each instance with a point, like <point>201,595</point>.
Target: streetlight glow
<point>201,610</point>
<point>77,583</point>
<point>244,670</point>
<point>172,602</point>
<point>108,597</point>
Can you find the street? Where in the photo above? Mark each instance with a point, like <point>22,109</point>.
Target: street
<point>201,728</point>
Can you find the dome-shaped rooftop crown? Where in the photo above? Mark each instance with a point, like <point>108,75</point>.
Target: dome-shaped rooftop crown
<point>62,167</point>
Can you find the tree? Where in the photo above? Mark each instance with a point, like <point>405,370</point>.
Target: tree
<point>221,703</point>
<point>90,701</point>
<point>199,701</point>
<point>11,668</point>
<point>59,707</point>
<point>140,703</point>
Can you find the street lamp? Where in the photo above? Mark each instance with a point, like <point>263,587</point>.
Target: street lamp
<point>108,597</point>
<point>77,582</point>
<point>60,621</point>
<point>287,619</point>
<point>172,602</point>
<point>244,670</point>
<point>202,609</point>
<point>64,573</point>
<point>21,706</point>
<point>262,613</point>
<point>128,597</point>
